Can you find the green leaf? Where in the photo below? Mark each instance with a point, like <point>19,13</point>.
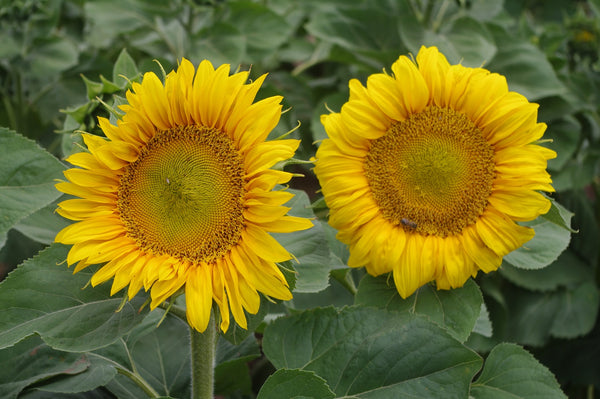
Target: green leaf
<point>526,68</point>
<point>43,225</point>
<point>567,271</point>
<point>232,372</point>
<point>471,43</point>
<point>27,174</point>
<point>108,87</point>
<point>308,246</point>
<point>559,215</point>
<point>577,313</point>
<point>263,29</point>
<point>483,324</point>
<point>222,44</point>
<point>98,373</point>
<point>31,361</point>
<point>552,236</point>
<point>351,347</point>
<point>51,56</point>
<point>455,310</point>
<point>43,296</point>
<point>512,372</point>
<point>365,28</point>
<point>125,67</point>
<point>565,313</point>
<point>293,384</point>
<point>93,89</point>
<point>108,18</point>
<point>485,10</point>
<point>162,355</point>
<point>565,135</point>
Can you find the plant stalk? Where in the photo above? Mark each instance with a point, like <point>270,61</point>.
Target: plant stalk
<point>203,347</point>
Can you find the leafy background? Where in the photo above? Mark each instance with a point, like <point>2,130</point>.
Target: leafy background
<point>529,330</point>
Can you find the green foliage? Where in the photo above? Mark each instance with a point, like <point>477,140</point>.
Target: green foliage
<point>345,334</point>
<point>351,347</point>
<point>27,173</point>
<point>68,319</point>
<point>510,371</point>
<point>456,311</point>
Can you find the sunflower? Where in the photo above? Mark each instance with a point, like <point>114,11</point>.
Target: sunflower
<point>427,171</point>
<point>180,195</point>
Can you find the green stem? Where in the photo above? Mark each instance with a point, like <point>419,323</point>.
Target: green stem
<point>203,359</point>
<point>140,382</point>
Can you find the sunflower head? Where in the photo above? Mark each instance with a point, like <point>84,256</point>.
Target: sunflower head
<point>426,171</point>
<point>180,194</point>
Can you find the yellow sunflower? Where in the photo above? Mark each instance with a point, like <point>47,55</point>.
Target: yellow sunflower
<point>180,194</point>
<point>427,171</point>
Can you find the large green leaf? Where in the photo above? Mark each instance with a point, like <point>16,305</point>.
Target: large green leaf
<point>223,43</point>
<point>43,297</point>
<point>525,66</point>
<point>567,271</point>
<point>31,361</point>
<point>364,27</point>
<point>27,174</point>
<point>455,310</point>
<point>51,56</point>
<point>512,372</point>
<point>294,384</point>
<point>351,347</point>
<point>263,29</point>
<point>565,313</point>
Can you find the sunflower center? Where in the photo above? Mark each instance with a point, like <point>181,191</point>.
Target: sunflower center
<point>183,196</point>
<point>431,173</point>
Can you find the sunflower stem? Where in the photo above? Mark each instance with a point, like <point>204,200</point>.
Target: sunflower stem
<point>203,359</point>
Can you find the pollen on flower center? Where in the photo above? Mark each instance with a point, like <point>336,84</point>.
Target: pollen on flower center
<point>183,196</point>
<point>431,173</point>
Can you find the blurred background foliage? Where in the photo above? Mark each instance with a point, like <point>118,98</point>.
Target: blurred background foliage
<point>63,63</point>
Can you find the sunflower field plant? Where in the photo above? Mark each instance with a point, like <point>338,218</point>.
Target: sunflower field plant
<point>276,199</point>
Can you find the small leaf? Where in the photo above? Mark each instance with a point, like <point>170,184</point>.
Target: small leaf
<point>351,347</point>
<point>93,89</point>
<point>456,310</point>
<point>512,372</point>
<point>108,87</point>
<point>125,68</point>
<point>80,113</point>
<point>559,215</point>
<point>295,384</point>
<point>308,246</point>
<point>552,236</point>
<point>44,298</point>
<point>27,174</point>
<point>483,325</point>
